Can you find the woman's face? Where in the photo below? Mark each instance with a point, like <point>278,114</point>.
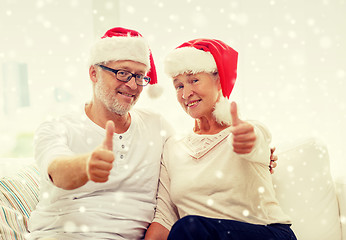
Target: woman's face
<point>197,93</point>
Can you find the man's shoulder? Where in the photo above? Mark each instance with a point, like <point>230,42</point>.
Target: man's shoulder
<point>149,116</point>
<point>154,120</point>
<point>72,118</point>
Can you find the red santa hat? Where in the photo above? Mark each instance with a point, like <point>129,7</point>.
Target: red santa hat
<point>123,44</point>
<point>205,55</point>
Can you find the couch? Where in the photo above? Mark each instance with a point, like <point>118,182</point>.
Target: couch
<point>303,182</point>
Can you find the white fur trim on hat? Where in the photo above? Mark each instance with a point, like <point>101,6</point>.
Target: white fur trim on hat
<point>120,48</point>
<point>189,60</point>
<point>222,111</point>
<point>154,91</point>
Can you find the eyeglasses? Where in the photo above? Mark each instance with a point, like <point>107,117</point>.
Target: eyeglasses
<point>125,76</point>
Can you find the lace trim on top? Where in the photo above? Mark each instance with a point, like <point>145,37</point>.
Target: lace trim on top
<point>199,145</point>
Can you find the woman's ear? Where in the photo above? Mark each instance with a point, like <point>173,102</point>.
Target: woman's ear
<point>217,78</point>
<point>93,73</point>
<point>219,87</point>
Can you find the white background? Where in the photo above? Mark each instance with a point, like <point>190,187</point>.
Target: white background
<point>292,59</point>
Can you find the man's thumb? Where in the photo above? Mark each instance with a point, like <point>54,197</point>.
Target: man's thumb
<point>108,142</point>
<point>234,114</point>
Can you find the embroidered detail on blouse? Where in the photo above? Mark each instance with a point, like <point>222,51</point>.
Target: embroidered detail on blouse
<point>199,145</point>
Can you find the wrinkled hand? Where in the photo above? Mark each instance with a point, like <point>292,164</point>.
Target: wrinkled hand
<point>273,159</point>
<point>100,161</point>
<point>243,133</point>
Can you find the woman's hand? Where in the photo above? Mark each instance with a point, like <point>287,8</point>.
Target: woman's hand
<point>244,136</point>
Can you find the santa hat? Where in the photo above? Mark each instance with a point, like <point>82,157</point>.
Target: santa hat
<point>205,55</point>
<point>123,44</point>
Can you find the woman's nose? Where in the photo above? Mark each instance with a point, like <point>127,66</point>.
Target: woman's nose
<point>187,92</point>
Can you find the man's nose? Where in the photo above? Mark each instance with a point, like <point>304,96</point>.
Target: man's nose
<point>132,83</point>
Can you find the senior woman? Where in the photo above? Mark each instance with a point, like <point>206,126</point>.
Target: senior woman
<point>214,182</point>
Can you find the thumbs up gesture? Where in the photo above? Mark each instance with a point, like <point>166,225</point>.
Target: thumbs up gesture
<point>243,133</point>
<point>100,161</point>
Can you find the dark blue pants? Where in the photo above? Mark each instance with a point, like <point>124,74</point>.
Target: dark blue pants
<point>202,228</point>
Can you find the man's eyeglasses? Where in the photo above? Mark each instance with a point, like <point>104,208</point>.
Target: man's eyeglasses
<point>125,76</point>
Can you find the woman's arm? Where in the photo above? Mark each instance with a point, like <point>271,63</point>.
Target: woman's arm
<point>166,213</point>
<point>156,232</point>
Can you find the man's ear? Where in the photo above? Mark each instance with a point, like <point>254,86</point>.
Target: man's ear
<point>93,73</point>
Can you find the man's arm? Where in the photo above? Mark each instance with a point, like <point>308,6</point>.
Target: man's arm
<point>73,172</point>
<point>69,172</point>
<point>156,232</point>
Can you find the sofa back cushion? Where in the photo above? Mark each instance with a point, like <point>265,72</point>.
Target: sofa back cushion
<point>306,191</point>
<point>18,197</point>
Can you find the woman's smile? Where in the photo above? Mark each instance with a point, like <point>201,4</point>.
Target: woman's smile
<point>193,103</point>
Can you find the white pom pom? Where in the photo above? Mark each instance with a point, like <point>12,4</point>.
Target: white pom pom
<point>154,91</point>
<point>222,111</point>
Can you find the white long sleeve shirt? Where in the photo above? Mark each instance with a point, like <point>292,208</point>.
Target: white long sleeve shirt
<point>201,175</point>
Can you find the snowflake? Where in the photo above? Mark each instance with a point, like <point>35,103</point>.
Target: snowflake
<point>246,212</point>
<point>261,189</point>
<point>130,9</point>
<point>210,202</point>
<point>84,228</point>
<point>290,168</point>
<point>163,133</point>
<point>219,174</point>
<point>45,195</point>
<point>343,219</point>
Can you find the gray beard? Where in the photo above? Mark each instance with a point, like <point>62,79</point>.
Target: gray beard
<point>110,101</point>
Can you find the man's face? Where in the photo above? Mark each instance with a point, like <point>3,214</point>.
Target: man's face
<point>118,97</point>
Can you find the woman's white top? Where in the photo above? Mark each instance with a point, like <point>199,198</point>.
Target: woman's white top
<point>201,175</point>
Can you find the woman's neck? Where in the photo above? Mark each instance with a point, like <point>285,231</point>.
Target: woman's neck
<point>208,126</point>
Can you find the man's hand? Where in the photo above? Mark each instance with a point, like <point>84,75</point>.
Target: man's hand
<point>100,161</point>
<point>243,133</point>
<point>273,159</point>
